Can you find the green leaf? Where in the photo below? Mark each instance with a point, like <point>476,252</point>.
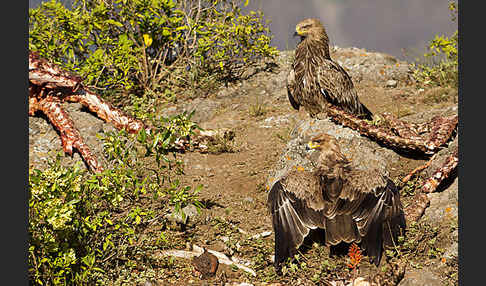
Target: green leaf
<point>113,22</point>
<point>181,28</point>
<point>166,32</point>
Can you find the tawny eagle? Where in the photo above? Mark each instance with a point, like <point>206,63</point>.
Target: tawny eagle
<point>351,205</point>
<point>315,79</point>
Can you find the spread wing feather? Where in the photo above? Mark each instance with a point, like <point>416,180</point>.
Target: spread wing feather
<point>350,205</point>
<point>362,206</point>
<point>292,219</point>
<point>379,218</point>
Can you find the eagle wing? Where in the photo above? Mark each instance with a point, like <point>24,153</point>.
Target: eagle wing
<point>336,86</point>
<point>366,208</point>
<point>294,212</point>
<point>352,206</point>
<point>292,89</point>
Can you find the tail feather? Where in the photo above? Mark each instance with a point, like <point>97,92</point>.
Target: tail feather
<point>341,228</point>
<point>373,241</point>
<point>386,225</point>
<point>395,224</point>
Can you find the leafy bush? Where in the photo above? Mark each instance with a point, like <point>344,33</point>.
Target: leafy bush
<point>441,61</point>
<point>80,224</point>
<point>146,44</point>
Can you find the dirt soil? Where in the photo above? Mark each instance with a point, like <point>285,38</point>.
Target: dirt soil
<point>234,175</point>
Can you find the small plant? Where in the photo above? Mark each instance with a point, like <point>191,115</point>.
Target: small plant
<point>355,256</point>
<point>410,187</point>
<point>441,61</point>
<point>222,143</point>
<point>440,94</point>
<point>182,197</point>
<point>420,242</point>
<point>284,135</point>
<point>289,267</point>
<point>223,227</point>
<point>258,108</point>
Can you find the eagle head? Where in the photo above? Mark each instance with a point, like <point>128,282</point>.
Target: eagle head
<point>311,28</point>
<point>329,149</point>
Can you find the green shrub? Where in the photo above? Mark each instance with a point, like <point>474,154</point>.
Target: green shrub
<point>81,225</point>
<point>440,67</point>
<point>148,44</point>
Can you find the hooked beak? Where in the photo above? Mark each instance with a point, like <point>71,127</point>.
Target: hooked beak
<point>311,145</point>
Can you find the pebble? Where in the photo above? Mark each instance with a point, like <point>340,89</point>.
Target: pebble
<point>190,211</point>
<point>420,277</point>
<point>391,83</point>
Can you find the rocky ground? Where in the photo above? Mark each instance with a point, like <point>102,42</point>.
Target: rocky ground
<point>237,173</point>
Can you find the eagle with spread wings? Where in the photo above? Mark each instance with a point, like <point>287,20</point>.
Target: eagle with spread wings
<point>315,79</point>
<point>351,205</point>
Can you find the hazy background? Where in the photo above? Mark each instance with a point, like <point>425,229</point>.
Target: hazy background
<point>401,28</point>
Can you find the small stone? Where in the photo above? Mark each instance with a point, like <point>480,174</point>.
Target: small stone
<point>206,264</point>
<point>360,281</point>
<point>415,277</point>
<point>452,251</point>
<point>190,211</point>
<point>391,83</point>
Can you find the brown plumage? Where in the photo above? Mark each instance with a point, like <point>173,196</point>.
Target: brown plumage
<point>349,204</point>
<point>315,79</point>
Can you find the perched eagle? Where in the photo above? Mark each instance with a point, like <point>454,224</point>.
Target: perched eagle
<point>349,204</point>
<point>315,79</point>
